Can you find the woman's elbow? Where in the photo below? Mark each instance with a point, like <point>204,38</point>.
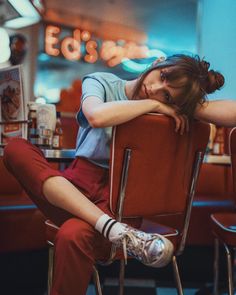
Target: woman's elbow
<point>95,121</point>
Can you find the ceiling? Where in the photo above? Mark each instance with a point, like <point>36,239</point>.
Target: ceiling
<point>160,24</point>
<point>136,20</point>
<point>133,13</point>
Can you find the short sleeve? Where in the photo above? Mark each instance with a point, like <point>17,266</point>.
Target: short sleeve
<point>92,87</point>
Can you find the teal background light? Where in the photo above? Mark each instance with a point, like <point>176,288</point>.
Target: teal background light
<point>133,66</point>
<point>217,41</point>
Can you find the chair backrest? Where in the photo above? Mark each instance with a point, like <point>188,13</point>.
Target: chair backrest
<point>152,166</point>
<point>232,147</point>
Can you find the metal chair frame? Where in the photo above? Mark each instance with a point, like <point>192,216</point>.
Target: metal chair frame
<point>230,254</point>
<point>124,179</point>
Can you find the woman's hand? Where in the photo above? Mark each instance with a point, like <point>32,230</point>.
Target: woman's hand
<point>181,121</point>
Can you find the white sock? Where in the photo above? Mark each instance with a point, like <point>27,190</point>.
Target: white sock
<point>109,227</point>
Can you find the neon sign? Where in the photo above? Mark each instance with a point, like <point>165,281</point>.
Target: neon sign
<point>69,47</point>
<point>81,46</point>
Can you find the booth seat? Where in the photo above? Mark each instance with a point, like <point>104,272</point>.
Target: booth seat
<point>70,129</point>
<point>214,194</point>
<point>21,223</point>
<point>70,97</point>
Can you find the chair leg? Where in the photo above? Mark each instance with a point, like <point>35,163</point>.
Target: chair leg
<point>122,277</point>
<point>96,281</point>
<point>216,267</point>
<point>50,267</point>
<point>177,276</point>
<point>230,270</point>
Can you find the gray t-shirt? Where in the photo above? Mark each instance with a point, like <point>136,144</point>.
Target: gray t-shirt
<point>94,143</point>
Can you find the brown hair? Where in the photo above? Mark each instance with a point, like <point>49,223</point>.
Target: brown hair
<point>189,73</point>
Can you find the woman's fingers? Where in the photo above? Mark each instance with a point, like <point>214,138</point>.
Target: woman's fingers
<point>177,123</point>
<point>181,124</point>
<point>181,121</point>
<point>186,123</point>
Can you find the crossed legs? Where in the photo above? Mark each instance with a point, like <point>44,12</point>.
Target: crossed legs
<point>78,245</point>
<point>76,200</point>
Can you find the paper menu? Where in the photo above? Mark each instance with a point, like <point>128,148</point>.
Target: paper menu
<point>13,115</point>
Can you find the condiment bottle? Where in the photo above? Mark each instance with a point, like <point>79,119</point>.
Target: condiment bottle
<point>46,122</point>
<point>32,123</point>
<point>57,140</point>
<point>219,141</point>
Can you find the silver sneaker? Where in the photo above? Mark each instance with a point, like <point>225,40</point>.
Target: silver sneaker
<point>151,249</point>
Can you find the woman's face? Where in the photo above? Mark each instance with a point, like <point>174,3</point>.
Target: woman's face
<point>155,86</point>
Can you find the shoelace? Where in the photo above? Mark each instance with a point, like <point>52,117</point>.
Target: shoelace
<point>133,240</point>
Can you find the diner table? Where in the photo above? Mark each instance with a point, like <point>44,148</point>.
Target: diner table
<point>63,155</point>
<point>54,154</point>
<point>217,159</point>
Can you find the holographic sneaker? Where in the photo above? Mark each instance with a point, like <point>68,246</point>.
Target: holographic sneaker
<point>151,249</point>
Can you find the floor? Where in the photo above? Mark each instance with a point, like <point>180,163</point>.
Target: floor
<point>26,274</point>
<point>138,287</point>
<point>128,290</point>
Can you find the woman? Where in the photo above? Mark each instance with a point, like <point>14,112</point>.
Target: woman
<point>77,199</point>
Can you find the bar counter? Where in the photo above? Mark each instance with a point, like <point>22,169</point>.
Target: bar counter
<point>65,155</point>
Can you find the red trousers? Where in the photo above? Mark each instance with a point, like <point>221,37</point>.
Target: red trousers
<point>78,245</point>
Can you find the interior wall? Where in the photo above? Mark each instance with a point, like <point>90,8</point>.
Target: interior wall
<point>217,41</point>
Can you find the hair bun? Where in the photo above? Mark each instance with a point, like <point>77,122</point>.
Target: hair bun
<point>214,81</point>
<point>204,66</point>
<point>211,80</point>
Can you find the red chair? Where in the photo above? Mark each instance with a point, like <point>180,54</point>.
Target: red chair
<point>153,172</point>
<point>224,226</point>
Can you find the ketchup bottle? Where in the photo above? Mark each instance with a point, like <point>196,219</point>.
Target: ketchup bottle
<point>57,140</point>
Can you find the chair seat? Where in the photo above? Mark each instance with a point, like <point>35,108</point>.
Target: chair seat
<point>224,227</point>
<point>148,226</point>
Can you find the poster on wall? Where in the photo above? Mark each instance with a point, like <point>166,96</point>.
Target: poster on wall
<point>13,117</point>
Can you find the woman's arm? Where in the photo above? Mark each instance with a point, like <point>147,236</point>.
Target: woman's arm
<point>218,112</point>
<point>100,114</point>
